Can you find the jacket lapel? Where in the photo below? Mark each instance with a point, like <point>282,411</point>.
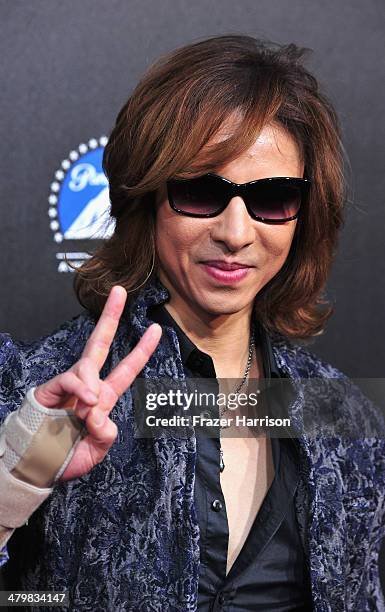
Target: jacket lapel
<point>319,506</point>
<point>318,499</point>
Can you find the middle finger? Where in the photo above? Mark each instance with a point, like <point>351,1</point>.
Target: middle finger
<point>127,370</point>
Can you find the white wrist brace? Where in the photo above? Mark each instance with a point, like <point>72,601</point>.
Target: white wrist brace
<point>36,445</point>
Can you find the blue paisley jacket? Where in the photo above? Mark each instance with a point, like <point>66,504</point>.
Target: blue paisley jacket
<point>126,537</point>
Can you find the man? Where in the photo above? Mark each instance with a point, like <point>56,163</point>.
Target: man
<point>221,240</point>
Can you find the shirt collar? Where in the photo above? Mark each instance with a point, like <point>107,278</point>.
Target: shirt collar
<point>160,315</point>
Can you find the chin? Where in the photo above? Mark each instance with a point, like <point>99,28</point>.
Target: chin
<point>221,306</point>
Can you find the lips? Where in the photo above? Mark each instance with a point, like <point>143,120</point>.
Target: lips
<point>226,273</point>
<point>223,265</point>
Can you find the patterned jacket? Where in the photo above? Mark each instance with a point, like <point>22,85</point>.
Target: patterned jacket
<point>126,537</point>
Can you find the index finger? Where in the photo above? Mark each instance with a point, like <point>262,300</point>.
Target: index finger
<point>98,344</point>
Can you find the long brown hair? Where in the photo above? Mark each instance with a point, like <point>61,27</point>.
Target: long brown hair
<point>164,130</point>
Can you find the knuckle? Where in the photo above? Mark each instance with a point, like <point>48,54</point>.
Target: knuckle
<point>111,395</point>
<point>111,312</point>
<point>128,368</point>
<point>68,377</point>
<point>84,362</point>
<point>142,354</point>
<point>100,343</point>
<point>85,366</point>
<point>111,437</point>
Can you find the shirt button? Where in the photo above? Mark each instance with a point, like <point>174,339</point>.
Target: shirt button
<point>205,414</point>
<point>216,505</point>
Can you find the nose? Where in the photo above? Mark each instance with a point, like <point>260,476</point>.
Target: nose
<point>234,226</point>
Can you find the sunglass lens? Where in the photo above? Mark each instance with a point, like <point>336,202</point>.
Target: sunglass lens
<point>275,201</point>
<point>199,196</point>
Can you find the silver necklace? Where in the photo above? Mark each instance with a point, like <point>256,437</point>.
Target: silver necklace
<point>224,409</point>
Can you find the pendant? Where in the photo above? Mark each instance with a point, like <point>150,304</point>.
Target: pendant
<point>221,462</point>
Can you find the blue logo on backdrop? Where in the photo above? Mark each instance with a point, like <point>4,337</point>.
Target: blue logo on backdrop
<point>79,201</point>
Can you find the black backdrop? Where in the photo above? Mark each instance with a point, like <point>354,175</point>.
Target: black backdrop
<point>67,67</point>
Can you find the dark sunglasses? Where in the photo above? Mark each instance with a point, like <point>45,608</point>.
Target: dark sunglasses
<point>271,200</point>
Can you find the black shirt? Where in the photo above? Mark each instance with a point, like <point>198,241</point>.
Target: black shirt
<point>269,573</point>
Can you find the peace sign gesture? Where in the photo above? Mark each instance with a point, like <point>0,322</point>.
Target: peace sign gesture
<point>92,398</point>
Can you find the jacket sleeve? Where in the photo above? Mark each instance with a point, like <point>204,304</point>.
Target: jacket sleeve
<point>360,421</point>
<point>36,445</point>
<point>12,391</point>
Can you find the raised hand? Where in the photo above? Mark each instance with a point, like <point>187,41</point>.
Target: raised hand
<point>92,398</point>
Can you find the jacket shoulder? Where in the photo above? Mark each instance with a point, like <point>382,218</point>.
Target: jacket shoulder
<point>340,396</point>
<point>300,359</point>
<point>62,347</point>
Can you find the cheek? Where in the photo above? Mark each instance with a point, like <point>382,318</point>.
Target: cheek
<point>276,240</point>
<point>174,238</point>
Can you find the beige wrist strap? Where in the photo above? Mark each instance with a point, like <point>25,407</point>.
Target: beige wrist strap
<point>36,445</point>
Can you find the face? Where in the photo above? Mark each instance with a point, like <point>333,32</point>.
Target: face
<point>185,244</point>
